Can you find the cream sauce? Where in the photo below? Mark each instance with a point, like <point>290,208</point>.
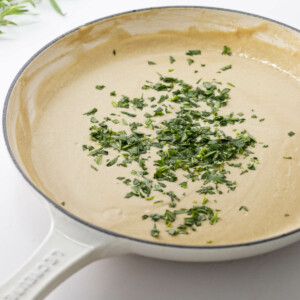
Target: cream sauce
<point>62,170</point>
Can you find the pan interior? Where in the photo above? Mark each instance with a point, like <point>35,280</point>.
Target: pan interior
<point>46,126</point>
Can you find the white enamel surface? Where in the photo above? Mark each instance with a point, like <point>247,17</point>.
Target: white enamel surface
<point>25,221</point>
<point>68,247</point>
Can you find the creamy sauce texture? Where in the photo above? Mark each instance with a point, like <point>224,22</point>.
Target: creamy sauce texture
<point>54,158</point>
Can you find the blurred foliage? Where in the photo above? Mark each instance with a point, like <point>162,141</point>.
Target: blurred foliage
<point>9,8</point>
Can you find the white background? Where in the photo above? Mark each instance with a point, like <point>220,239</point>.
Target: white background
<point>24,220</point>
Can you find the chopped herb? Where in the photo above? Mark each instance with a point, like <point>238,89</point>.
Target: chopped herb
<point>214,218</point>
<point>120,178</point>
<point>226,67</point>
<point>245,208</point>
<point>151,62</point>
<point>287,157</point>
<point>94,168</point>
<point>155,231</point>
<point>113,93</point>
<point>128,114</point>
<point>100,87</point>
<point>114,52</point>
<point>261,120</point>
<point>158,201</point>
<point>91,112</point>
<point>226,51</point>
<point>204,201</point>
<point>190,61</point>
<point>254,116</point>
<point>93,120</point>
<point>291,133</point>
<point>286,215</point>
<point>209,242</point>
<point>112,162</point>
<point>172,59</point>
<point>63,203</point>
<point>193,52</point>
<point>98,159</point>
<point>183,184</point>
<point>230,84</point>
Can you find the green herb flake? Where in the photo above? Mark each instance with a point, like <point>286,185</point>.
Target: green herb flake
<point>114,52</point>
<point>128,114</point>
<point>245,208</point>
<point>63,203</point>
<point>98,159</point>
<point>100,87</point>
<point>172,59</point>
<point>91,112</point>
<point>158,201</point>
<point>286,215</point>
<point>193,52</point>
<point>151,62</point>
<point>172,231</point>
<point>214,219</point>
<point>112,162</point>
<point>183,184</point>
<point>287,157</point>
<point>226,51</point>
<point>190,61</point>
<point>94,168</point>
<point>93,120</point>
<point>230,84</point>
<point>204,201</point>
<point>291,133</point>
<point>226,68</point>
<point>113,93</point>
<point>155,231</point>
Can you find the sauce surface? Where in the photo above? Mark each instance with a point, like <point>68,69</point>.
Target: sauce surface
<point>269,91</point>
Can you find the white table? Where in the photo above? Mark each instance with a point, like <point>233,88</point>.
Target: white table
<point>24,220</point>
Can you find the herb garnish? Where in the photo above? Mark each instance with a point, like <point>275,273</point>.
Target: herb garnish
<point>172,59</point>
<point>100,87</point>
<point>193,52</point>
<point>245,208</point>
<point>291,133</point>
<point>226,67</point>
<point>190,61</point>
<point>91,112</point>
<point>191,140</point>
<point>226,51</point>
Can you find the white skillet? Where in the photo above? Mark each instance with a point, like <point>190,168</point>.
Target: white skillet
<point>73,243</point>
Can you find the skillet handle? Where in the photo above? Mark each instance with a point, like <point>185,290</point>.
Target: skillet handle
<point>58,257</point>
